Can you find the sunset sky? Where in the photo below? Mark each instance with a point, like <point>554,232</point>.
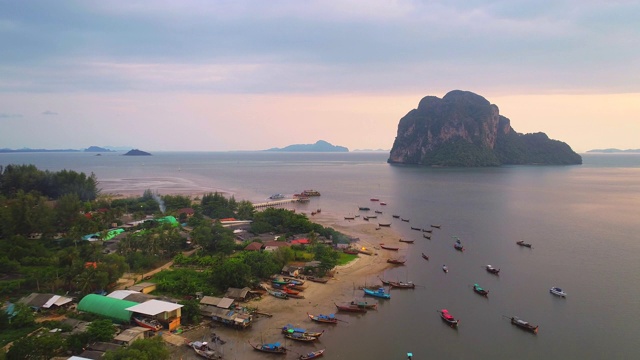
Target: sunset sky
<point>251,75</point>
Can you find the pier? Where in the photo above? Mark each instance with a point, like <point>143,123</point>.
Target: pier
<point>274,203</point>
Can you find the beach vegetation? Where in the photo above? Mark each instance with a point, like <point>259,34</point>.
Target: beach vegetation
<point>144,349</point>
<point>28,178</point>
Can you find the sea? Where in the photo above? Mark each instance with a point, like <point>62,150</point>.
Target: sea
<point>583,222</point>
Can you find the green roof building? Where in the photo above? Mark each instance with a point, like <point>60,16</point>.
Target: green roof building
<point>111,308</point>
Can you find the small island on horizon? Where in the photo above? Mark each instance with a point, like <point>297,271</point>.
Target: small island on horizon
<point>136,152</point>
<point>615,151</point>
<point>319,146</point>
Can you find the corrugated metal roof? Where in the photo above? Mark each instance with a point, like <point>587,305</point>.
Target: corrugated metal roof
<point>210,300</point>
<point>154,307</point>
<point>225,303</point>
<point>121,294</point>
<point>115,309</point>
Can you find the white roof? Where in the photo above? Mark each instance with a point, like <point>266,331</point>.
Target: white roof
<point>154,307</point>
<point>56,300</point>
<point>121,294</point>
<point>225,303</point>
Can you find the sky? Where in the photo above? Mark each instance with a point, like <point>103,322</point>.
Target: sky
<point>205,75</point>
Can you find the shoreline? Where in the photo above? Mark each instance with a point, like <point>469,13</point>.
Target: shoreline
<point>319,298</point>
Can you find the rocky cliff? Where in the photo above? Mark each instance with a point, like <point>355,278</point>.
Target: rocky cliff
<point>464,129</point>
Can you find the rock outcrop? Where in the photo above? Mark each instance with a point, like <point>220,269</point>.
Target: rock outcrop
<point>464,129</point>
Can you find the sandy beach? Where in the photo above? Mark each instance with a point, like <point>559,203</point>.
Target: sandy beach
<point>319,298</point>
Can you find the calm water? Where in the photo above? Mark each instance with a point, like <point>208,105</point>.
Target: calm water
<point>583,222</point>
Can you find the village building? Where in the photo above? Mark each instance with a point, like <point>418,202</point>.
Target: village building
<point>38,301</point>
<point>222,310</point>
<point>238,294</point>
<point>274,245</point>
<point>254,246</point>
<point>128,336</point>
<point>143,287</point>
<point>168,314</point>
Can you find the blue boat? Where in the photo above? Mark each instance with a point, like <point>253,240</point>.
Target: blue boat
<point>379,293</point>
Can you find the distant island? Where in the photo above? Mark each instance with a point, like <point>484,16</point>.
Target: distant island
<point>28,150</point>
<point>136,152</point>
<point>97,149</point>
<point>615,151</point>
<point>464,129</point>
<point>319,146</point>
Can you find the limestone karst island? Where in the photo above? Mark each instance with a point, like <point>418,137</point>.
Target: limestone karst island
<point>464,129</point>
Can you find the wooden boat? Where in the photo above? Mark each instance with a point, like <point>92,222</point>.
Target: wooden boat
<point>148,323</point>
<point>288,291</point>
<point>405,220</point>
<point>522,243</point>
<point>278,294</point>
<point>326,319</point>
<point>384,282</point>
<point>396,261</point>
<point>372,216</point>
<point>427,231</point>
<point>350,251</point>
<point>350,308</point>
<point>402,285</point>
<point>273,348</point>
<point>425,256</point>
<point>378,212</point>
<point>363,303</point>
<point>435,226</point>
<point>365,218</point>
<point>557,292</point>
<point>203,350</point>
<point>445,269</point>
<point>317,279</point>
<point>312,355</point>
<point>349,217</point>
<point>480,291</point>
<point>396,216</point>
<point>524,325</point>
<point>448,318</point>
<point>426,236</point>
<point>300,334</point>
<point>374,199</point>
<point>384,224</point>
<point>383,203</point>
<point>386,247</point>
<point>363,208</point>
<point>379,293</point>
<point>458,246</point>
<point>492,270</point>
<point>407,241</point>
<point>293,281</point>
<point>415,228</point>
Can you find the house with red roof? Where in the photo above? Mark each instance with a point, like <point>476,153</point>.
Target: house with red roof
<point>254,246</point>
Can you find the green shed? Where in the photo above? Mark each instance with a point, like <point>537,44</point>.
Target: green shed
<point>111,308</point>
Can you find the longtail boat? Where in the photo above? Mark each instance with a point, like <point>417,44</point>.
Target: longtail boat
<point>317,279</point>
<point>426,236</point>
<point>458,246</point>
<point>445,269</point>
<point>492,270</point>
<point>435,226</point>
<point>424,256</point>
<point>448,318</point>
<point>273,348</point>
<point>297,336</point>
<point>278,294</point>
<point>379,293</point>
<point>384,282</point>
<point>402,285</point>
<point>148,323</point>
<point>415,228</point>
<point>312,355</point>
<point>386,247</point>
<point>327,319</point>
<point>522,243</point>
<point>480,291</point>
<point>395,216</point>
<point>427,230</point>
<point>350,308</point>
<point>405,220</point>
<point>397,261</point>
<point>407,241</point>
<point>363,303</point>
<point>203,349</point>
<point>384,224</point>
<point>524,325</point>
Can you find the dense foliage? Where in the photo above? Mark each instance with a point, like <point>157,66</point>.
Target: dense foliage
<point>27,178</point>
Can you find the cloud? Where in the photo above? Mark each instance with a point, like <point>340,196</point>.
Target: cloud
<point>10,116</point>
<point>49,112</point>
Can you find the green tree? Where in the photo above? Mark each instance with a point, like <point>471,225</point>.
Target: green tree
<point>145,349</point>
<point>36,347</point>
<point>101,330</point>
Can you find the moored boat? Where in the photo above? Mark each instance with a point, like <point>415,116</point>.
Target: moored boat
<point>374,199</point>
<point>405,220</point>
<point>203,350</point>
<point>395,216</point>
<point>448,318</point>
<point>317,279</point>
<point>524,325</point>
<point>363,303</point>
<point>312,355</point>
<point>402,284</point>
<point>148,323</point>
<point>426,236</point>
<point>384,224</point>
<point>445,269</point>
<point>326,319</point>
<point>480,291</point>
<point>492,270</point>
<point>383,203</point>
<point>458,245</point>
<point>386,247</point>
<point>349,217</point>
<point>407,241</point>
<point>363,208</point>
<point>273,348</point>
<point>276,196</point>
<point>379,293</point>
<point>397,261</point>
<point>350,308</point>
<point>424,256</point>
<point>558,291</point>
<point>310,193</point>
<point>427,231</point>
<point>378,212</point>
<point>415,228</point>
<point>435,226</point>
<point>522,243</point>
<point>297,336</point>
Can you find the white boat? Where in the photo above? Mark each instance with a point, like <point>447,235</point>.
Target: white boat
<point>557,291</point>
<point>445,268</point>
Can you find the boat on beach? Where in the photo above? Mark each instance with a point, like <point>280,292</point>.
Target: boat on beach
<point>312,355</point>
<point>448,318</point>
<point>365,304</point>
<point>415,228</point>
<point>400,261</point>
<point>273,348</point>
<point>325,319</point>
<point>317,279</point>
<point>424,256</point>
<point>379,293</point>
<point>524,325</point>
<point>407,241</point>
<point>402,284</point>
<point>148,323</point>
<point>558,292</point>
<point>427,231</point>
<point>378,212</point>
<point>480,291</point>
<point>349,217</point>
<point>278,294</point>
<point>296,336</point>
<point>383,203</point>
<point>364,208</point>
<point>384,224</point>
<point>350,251</point>
<point>405,220</point>
<point>386,247</point>
<point>292,329</point>
<point>203,350</point>
<point>522,243</point>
